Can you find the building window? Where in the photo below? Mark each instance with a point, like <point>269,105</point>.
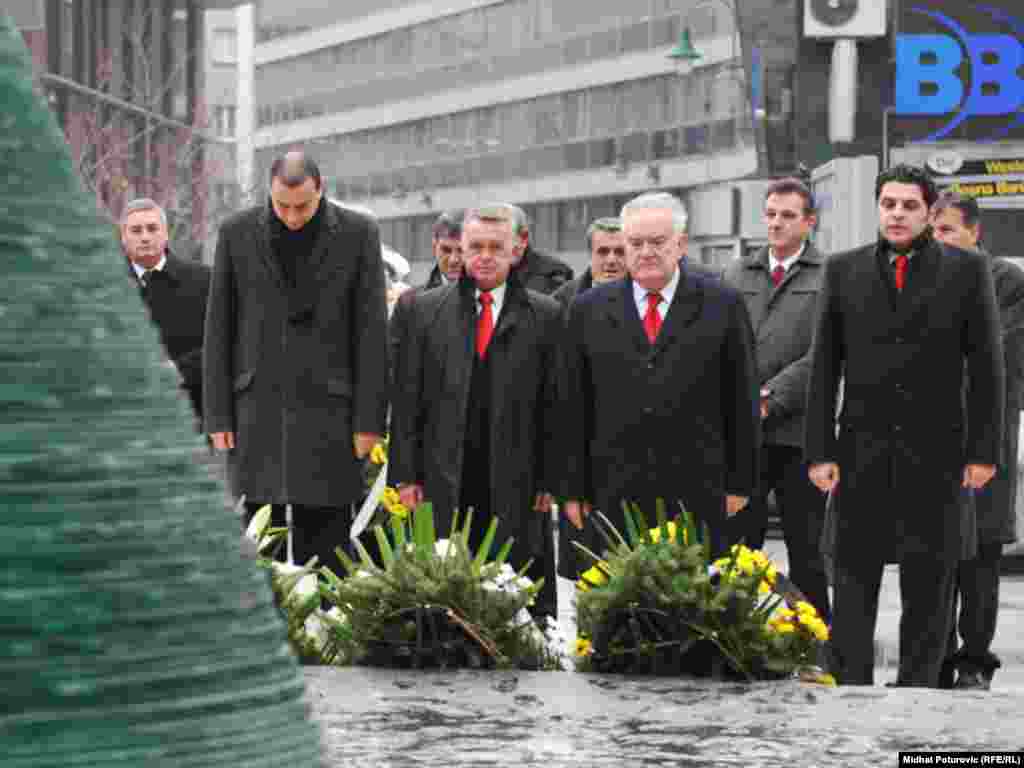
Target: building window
<point>224,120</point>
<point>224,49</point>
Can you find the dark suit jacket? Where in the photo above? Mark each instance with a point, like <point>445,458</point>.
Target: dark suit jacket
<point>572,289</point>
<point>677,420</point>
<point>435,351</point>
<point>905,434</point>
<point>783,320</point>
<point>176,299</point>
<point>294,372</point>
<point>541,272</point>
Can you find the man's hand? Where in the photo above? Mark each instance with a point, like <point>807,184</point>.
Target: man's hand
<point>976,476</point>
<point>825,476</point>
<point>542,503</point>
<point>410,494</point>
<point>765,395</point>
<point>577,511</point>
<point>223,441</point>
<point>734,504</point>
<point>363,443</point>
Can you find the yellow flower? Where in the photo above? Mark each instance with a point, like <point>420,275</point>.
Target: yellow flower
<point>673,533</point>
<point>815,626</point>
<point>782,627</point>
<point>594,576</point>
<point>583,647</point>
<point>805,609</point>
<point>378,455</point>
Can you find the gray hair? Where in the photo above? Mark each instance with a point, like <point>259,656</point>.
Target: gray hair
<point>604,224</point>
<point>520,221</point>
<point>659,201</point>
<point>143,204</point>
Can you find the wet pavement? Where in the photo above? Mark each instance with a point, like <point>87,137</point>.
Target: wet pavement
<point>393,719</point>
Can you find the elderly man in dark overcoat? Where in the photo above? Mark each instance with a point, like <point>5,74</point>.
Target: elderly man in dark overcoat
<point>957,222</point>
<point>296,358</point>
<point>898,320</point>
<point>780,284</point>
<point>664,385</point>
<point>475,401</point>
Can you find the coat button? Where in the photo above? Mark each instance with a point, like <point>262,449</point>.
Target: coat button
<point>899,339</point>
<point>650,366</point>
<point>897,428</point>
<point>648,410</point>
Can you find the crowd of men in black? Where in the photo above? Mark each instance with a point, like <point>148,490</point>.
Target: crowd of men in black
<point>875,394</point>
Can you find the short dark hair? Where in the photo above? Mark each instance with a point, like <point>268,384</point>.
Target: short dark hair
<point>604,224</point>
<point>294,168</point>
<point>449,225</point>
<point>967,206</point>
<point>909,174</point>
<point>793,186</point>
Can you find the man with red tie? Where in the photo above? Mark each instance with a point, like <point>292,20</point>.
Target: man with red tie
<point>661,369</point>
<point>899,321</point>
<point>474,413</point>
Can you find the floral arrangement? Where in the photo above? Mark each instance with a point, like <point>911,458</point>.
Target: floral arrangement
<point>656,602</point>
<point>428,602</point>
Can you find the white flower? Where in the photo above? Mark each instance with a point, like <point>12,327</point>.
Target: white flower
<point>443,548</point>
<point>306,586</point>
<point>258,525</point>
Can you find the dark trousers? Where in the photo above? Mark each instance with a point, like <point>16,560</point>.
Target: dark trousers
<point>802,509</point>
<point>315,531</point>
<point>977,587</point>
<point>926,596</point>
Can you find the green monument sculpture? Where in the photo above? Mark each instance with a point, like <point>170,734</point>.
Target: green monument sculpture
<point>133,632</point>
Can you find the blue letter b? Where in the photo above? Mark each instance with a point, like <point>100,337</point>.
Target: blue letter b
<point>1008,94</point>
<point>912,73</point>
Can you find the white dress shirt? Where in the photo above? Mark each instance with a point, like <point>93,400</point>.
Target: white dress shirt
<point>498,294</point>
<point>785,263</point>
<point>667,294</point>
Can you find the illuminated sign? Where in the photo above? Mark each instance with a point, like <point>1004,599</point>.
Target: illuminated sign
<point>1007,178</point>
<point>961,74</point>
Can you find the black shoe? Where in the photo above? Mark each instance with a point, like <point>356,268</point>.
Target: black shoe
<point>973,681</point>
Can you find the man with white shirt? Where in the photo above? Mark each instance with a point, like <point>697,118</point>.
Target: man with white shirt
<point>780,286</point>
<point>174,291</point>
<point>474,411</point>
<point>664,385</point>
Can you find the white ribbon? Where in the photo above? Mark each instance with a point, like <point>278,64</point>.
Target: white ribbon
<point>371,503</point>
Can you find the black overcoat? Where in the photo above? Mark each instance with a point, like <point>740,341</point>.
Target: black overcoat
<point>677,420</point>
<point>996,504</point>
<point>905,432</point>
<point>542,272</point>
<point>434,342</point>
<point>176,299</point>
<point>293,373</point>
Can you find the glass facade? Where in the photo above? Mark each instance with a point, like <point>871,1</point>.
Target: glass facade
<point>484,45</point>
<point>645,120</point>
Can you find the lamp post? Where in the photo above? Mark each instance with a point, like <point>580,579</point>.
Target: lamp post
<point>687,56</point>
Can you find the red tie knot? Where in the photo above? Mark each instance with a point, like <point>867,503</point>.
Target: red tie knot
<point>778,274</point>
<point>653,300</point>
<point>486,298</point>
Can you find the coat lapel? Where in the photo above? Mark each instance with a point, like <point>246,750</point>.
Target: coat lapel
<point>685,309</point>
<point>330,231</point>
<point>266,250</point>
<point>621,314</point>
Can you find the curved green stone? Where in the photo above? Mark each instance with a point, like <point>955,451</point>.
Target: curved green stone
<point>132,630</point>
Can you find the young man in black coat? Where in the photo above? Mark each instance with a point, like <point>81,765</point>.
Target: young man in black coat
<point>476,396</point>
<point>664,385</point>
<point>897,321</point>
<point>174,291</point>
<point>296,357</point>
<point>607,246</point>
<point>957,223</point>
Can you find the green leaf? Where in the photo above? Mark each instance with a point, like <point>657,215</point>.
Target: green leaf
<point>398,528</point>
<point>364,556</point>
<point>346,561</point>
<point>502,555</point>
<point>387,556</point>
<point>659,511</point>
<point>631,532</point>
<point>485,545</point>
<point>642,524</point>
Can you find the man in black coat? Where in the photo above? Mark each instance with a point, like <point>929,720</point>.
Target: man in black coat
<point>897,321</point>
<point>607,246</point>
<point>446,245</point>
<point>537,271</point>
<point>296,358</point>
<point>957,222</point>
<point>475,405</point>
<point>174,291</point>
<point>664,385</point>
<point>780,285</point>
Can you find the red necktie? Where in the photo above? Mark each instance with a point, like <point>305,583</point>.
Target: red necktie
<point>901,270</point>
<point>484,324</point>
<point>777,274</point>
<point>652,320</point>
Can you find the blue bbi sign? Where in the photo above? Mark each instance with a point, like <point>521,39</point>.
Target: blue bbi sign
<point>931,78</point>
